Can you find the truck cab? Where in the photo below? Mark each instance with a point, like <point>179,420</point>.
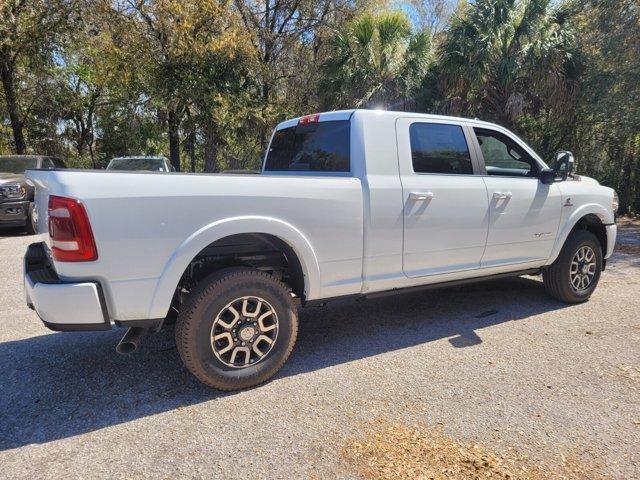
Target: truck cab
<point>470,194</point>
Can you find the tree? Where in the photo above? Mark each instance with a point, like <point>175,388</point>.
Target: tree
<point>377,62</point>
<point>429,15</point>
<point>27,35</point>
<point>92,79</point>
<point>224,100</point>
<point>287,37</point>
<point>503,58</point>
<point>81,86</point>
<point>167,34</point>
<point>609,104</point>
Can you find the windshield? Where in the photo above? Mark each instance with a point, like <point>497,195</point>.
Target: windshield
<point>152,164</point>
<point>17,164</point>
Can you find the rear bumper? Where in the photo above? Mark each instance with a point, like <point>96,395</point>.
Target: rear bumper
<point>62,306</point>
<point>14,213</point>
<point>612,231</point>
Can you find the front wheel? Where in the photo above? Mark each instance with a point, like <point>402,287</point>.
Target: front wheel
<point>237,328</point>
<point>29,225</point>
<point>574,275</point>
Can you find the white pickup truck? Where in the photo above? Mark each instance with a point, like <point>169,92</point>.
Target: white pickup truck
<point>348,203</point>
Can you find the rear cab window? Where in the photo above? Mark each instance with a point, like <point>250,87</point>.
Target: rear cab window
<point>317,147</point>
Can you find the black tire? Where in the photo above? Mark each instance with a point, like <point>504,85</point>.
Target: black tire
<point>557,277</point>
<point>28,226</point>
<point>200,310</point>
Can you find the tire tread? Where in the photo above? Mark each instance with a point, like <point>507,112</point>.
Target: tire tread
<point>554,276</point>
<point>187,323</point>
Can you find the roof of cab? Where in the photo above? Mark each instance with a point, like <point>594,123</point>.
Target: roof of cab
<point>323,117</point>
<point>346,115</point>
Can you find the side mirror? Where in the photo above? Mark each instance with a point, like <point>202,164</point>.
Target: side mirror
<point>547,176</point>
<point>564,159</point>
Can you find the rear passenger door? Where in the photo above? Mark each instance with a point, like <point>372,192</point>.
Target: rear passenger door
<point>445,202</point>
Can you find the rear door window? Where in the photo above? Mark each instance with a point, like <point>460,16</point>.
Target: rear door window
<point>439,148</point>
<point>312,147</point>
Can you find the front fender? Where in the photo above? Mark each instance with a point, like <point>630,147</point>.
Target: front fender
<point>208,234</point>
<point>571,221</point>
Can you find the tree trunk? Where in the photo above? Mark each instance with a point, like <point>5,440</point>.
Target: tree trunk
<point>210,147</point>
<point>87,134</point>
<point>266,93</point>
<point>634,193</point>
<point>624,187</point>
<point>82,137</point>
<point>92,155</point>
<point>174,139</point>
<point>190,148</point>
<point>635,202</point>
<point>12,108</point>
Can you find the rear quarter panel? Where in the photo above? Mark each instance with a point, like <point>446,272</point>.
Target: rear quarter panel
<point>148,226</point>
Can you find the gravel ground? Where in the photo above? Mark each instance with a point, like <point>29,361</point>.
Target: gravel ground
<point>497,363</point>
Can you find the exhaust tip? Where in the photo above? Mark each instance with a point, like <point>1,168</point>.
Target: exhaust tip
<point>131,340</point>
<point>126,347</point>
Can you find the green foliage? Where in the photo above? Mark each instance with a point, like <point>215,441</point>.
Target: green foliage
<point>502,59</point>
<point>608,134</point>
<point>378,62</point>
<point>204,81</point>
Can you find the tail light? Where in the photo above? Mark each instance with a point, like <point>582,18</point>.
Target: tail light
<point>70,231</point>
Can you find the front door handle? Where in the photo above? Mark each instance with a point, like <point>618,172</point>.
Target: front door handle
<point>420,196</point>
<point>502,195</point>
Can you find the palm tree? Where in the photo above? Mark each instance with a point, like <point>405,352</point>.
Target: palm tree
<point>376,62</point>
<point>501,58</point>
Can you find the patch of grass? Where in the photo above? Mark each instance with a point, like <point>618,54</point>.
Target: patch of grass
<point>394,451</point>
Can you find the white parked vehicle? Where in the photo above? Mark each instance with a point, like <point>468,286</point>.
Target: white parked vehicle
<point>356,203</point>
<point>141,163</point>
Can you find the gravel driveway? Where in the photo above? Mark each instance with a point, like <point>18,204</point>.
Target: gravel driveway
<point>497,363</point>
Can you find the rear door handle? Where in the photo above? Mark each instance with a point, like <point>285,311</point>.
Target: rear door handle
<point>502,195</point>
<point>420,196</point>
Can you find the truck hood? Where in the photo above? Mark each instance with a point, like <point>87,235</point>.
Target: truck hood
<point>589,180</point>
<point>6,177</point>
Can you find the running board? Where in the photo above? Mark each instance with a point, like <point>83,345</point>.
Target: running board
<point>418,288</point>
<point>452,283</point>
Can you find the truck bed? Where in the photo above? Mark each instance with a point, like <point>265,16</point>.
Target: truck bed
<point>148,226</point>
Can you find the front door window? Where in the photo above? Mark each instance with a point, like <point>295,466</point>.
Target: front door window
<point>504,157</point>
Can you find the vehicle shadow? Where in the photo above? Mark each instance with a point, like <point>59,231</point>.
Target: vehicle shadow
<point>64,384</point>
<point>10,232</point>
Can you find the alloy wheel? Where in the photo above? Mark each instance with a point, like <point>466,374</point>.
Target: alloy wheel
<point>583,268</point>
<point>244,332</point>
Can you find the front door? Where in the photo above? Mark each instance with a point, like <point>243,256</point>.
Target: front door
<point>524,213</point>
<point>445,203</point>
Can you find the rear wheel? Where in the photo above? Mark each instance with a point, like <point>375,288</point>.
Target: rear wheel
<point>574,275</point>
<point>237,328</point>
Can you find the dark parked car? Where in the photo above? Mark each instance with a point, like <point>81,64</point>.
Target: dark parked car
<point>16,196</point>
<point>151,164</point>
